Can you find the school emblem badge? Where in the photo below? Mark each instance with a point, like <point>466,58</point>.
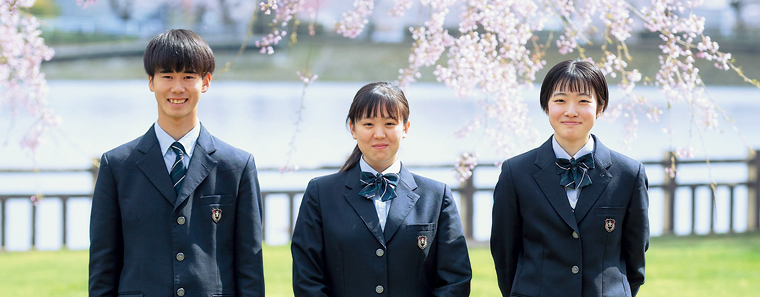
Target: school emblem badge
<point>609,225</point>
<point>422,242</point>
<point>216,215</point>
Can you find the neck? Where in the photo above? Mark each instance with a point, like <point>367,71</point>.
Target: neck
<point>177,128</point>
<point>381,167</point>
<point>572,147</point>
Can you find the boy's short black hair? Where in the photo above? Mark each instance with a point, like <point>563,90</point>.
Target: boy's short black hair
<point>575,76</point>
<point>178,50</point>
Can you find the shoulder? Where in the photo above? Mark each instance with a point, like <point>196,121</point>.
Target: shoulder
<point>226,152</point>
<point>123,151</point>
<point>522,160</point>
<point>429,184</point>
<point>338,178</point>
<point>624,165</point>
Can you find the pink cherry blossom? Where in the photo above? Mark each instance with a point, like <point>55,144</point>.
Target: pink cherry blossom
<point>23,88</point>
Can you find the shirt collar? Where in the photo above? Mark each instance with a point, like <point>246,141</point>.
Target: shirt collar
<point>559,152</point>
<point>188,141</point>
<point>394,168</point>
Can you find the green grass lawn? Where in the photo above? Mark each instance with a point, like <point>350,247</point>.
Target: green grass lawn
<point>724,265</point>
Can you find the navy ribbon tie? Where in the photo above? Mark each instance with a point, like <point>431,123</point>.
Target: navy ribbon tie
<point>380,185</point>
<point>575,171</point>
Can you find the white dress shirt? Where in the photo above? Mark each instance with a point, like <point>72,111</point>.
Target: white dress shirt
<point>381,207</point>
<point>188,141</point>
<point>559,152</point>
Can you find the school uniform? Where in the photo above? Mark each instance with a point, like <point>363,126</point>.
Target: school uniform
<point>340,247</point>
<point>148,240</point>
<point>543,246</point>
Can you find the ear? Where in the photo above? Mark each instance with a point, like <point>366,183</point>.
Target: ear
<point>406,128</point>
<point>150,83</point>
<point>351,126</point>
<point>206,82</point>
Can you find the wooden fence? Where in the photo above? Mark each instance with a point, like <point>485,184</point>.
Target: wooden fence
<point>467,191</point>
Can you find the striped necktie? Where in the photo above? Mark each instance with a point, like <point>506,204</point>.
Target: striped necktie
<point>178,168</point>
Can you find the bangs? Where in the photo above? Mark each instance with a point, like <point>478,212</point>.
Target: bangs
<point>378,106</point>
<point>179,58</point>
<point>380,99</point>
<point>178,51</point>
<point>573,83</point>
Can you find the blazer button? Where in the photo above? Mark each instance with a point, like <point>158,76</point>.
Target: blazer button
<point>181,220</point>
<point>379,289</point>
<point>181,292</point>
<point>576,269</point>
<point>180,257</point>
<point>575,235</point>
<point>379,252</point>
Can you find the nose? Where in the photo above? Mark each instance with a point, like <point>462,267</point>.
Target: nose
<point>177,86</point>
<point>570,111</point>
<point>379,133</point>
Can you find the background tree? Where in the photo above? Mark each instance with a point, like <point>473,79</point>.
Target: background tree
<point>491,56</point>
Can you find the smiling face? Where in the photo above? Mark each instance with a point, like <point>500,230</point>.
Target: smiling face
<point>379,138</point>
<point>177,95</point>
<point>572,115</point>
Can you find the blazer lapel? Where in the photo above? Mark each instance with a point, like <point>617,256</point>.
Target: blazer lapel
<point>363,206</point>
<point>402,204</point>
<point>151,162</point>
<point>548,180</point>
<point>201,164</point>
<point>600,178</point>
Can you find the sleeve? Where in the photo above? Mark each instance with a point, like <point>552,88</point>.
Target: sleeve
<point>106,240</point>
<point>506,230</point>
<point>636,232</point>
<point>308,247</point>
<point>249,266</point>
<point>453,272</point>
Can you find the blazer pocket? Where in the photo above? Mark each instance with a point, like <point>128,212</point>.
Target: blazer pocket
<point>217,199</point>
<point>609,210</point>
<point>131,294</point>
<point>420,227</point>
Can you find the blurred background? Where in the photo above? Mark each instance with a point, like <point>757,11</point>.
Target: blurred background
<point>99,89</point>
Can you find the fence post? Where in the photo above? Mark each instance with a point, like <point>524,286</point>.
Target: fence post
<point>94,168</point>
<point>2,223</point>
<point>467,194</point>
<point>669,186</point>
<point>753,191</point>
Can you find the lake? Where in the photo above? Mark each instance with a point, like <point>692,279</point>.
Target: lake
<point>260,118</point>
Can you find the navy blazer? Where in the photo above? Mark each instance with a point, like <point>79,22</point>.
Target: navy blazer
<point>339,249</point>
<point>541,247</point>
<point>148,241</point>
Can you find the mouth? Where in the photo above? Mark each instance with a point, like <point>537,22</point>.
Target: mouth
<point>379,146</point>
<point>571,123</point>
<point>177,100</point>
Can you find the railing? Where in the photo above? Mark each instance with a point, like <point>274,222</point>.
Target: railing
<point>467,191</point>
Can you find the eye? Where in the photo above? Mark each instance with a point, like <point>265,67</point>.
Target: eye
<point>558,100</point>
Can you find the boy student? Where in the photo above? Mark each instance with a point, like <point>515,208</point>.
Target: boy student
<point>176,212</point>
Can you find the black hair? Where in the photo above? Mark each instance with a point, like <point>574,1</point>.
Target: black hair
<point>372,100</point>
<point>178,50</point>
<point>575,76</point>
